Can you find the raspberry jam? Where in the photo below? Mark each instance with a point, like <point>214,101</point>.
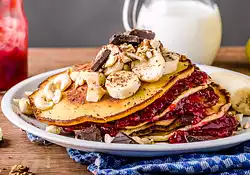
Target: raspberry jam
<point>219,128</point>
<point>13,43</point>
<point>192,109</point>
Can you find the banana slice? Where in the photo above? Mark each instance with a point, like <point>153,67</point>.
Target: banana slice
<point>230,81</point>
<point>122,84</point>
<point>42,104</point>
<point>241,100</point>
<point>152,69</point>
<point>111,61</point>
<point>238,87</point>
<point>24,106</point>
<point>171,62</point>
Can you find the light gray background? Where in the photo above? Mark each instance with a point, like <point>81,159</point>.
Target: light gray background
<point>89,23</point>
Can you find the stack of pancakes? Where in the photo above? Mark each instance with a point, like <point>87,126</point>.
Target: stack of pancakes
<point>180,106</point>
<point>183,106</point>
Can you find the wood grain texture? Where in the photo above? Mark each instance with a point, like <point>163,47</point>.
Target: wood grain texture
<point>16,149</point>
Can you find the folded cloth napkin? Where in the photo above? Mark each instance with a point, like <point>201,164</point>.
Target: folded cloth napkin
<point>232,161</point>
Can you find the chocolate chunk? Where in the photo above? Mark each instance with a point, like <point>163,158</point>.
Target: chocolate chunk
<point>118,39</point>
<point>91,133</point>
<point>101,58</point>
<point>142,34</point>
<point>123,138</point>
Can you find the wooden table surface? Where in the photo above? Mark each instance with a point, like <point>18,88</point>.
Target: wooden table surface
<point>16,149</point>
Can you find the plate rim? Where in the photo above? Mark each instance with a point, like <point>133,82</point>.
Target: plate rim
<point>6,106</point>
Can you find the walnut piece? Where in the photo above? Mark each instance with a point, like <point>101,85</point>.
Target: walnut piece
<point>20,170</point>
<point>246,125</point>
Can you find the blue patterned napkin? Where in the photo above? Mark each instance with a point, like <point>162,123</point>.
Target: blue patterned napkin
<point>232,161</point>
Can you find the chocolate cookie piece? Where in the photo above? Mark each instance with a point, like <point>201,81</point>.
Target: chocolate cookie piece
<point>118,39</point>
<point>91,133</point>
<point>101,58</point>
<point>142,34</point>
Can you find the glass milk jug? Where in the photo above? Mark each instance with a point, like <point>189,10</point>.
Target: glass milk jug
<point>190,27</point>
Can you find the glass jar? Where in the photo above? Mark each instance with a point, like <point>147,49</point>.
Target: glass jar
<point>13,43</point>
<point>190,27</point>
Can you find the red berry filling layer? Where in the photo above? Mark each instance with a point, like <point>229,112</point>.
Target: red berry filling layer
<point>192,109</point>
<point>219,128</point>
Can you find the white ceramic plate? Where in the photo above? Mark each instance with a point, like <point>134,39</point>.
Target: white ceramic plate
<point>117,149</point>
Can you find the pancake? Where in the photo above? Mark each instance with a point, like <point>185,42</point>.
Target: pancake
<point>73,110</point>
<point>163,132</point>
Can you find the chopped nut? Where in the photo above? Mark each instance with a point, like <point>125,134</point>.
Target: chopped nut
<point>126,67</point>
<point>102,79</point>
<point>111,60</point>
<point>74,75</point>
<point>24,106</point>
<point>155,44</point>
<point>53,129</point>
<point>95,93</point>
<point>20,170</point>
<point>127,48</point>
<point>135,57</point>
<point>16,101</point>
<point>63,80</point>
<point>27,93</point>
<point>234,133</point>
<point>149,54</point>
<point>108,138</point>
<point>239,128</point>
<point>125,59</point>
<point>246,125</point>
<point>239,117</point>
<point>70,70</point>
<point>116,67</point>
<point>164,52</point>
<point>232,112</point>
<point>143,140</point>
